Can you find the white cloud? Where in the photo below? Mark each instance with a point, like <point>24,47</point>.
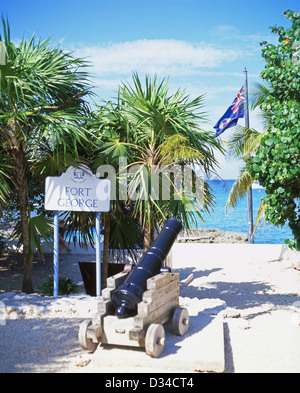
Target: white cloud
<point>234,35</point>
<point>224,31</point>
<point>160,56</point>
<point>199,68</point>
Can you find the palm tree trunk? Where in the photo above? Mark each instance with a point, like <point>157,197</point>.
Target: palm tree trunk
<point>105,249</point>
<point>21,187</point>
<point>20,177</point>
<point>147,238</point>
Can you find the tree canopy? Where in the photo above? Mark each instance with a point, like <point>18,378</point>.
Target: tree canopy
<point>156,131</point>
<point>276,164</point>
<point>41,116</point>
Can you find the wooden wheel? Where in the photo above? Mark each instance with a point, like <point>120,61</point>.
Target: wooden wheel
<point>180,321</point>
<point>155,340</point>
<point>86,343</point>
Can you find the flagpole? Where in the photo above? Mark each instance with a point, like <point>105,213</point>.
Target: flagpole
<point>249,192</point>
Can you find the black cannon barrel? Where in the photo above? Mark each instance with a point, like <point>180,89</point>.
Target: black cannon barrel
<point>126,298</point>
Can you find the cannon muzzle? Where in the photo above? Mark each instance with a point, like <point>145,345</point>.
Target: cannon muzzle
<point>126,298</point>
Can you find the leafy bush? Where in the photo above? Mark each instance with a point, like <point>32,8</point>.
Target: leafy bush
<point>65,287</point>
<point>276,164</point>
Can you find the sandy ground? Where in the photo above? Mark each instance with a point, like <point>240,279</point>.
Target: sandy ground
<point>259,303</point>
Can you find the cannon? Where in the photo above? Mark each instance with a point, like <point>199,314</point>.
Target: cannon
<point>138,301</point>
<point>126,298</point>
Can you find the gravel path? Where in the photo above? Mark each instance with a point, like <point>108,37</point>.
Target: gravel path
<point>260,304</point>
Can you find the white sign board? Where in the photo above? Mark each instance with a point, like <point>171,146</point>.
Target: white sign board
<point>78,189</point>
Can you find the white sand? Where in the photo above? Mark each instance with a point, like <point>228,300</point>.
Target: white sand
<point>260,304</point>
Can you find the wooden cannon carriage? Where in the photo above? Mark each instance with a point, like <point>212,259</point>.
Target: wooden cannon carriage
<point>159,304</point>
<point>137,302</point>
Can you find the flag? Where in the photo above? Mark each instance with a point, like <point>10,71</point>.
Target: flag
<point>233,113</point>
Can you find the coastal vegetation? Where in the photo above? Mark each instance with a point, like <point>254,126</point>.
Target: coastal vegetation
<point>151,129</point>
<point>41,114</point>
<point>47,125</point>
<point>272,157</point>
<point>276,165</point>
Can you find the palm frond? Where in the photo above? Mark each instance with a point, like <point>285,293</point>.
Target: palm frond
<point>259,93</point>
<point>40,227</point>
<point>154,128</point>
<point>6,182</point>
<point>176,148</point>
<point>239,189</point>
<point>80,226</point>
<point>126,234</point>
<point>260,215</point>
<point>243,141</point>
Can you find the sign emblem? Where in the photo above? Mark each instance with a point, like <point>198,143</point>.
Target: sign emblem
<point>79,175</point>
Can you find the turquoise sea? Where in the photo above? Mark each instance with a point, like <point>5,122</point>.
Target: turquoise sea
<point>235,220</point>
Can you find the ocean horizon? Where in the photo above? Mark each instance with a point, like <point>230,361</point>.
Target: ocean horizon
<point>236,220</point>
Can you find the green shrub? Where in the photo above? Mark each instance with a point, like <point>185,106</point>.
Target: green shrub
<point>65,287</point>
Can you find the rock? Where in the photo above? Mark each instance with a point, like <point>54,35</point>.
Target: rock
<point>36,306</point>
<point>212,235</point>
<point>231,313</point>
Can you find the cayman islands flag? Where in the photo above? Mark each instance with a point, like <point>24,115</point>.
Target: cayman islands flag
<point>233,113</point>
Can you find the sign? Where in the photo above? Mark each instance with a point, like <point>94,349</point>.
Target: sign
<point>78,189</point>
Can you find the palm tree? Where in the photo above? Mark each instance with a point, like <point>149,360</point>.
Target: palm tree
<point>41,110</point>
<point>158,130</point>
<point>121,231</point>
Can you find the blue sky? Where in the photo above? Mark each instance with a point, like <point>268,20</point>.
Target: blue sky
<point>202,46</point>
